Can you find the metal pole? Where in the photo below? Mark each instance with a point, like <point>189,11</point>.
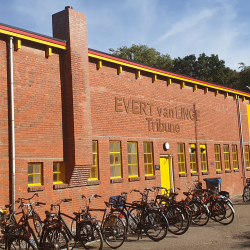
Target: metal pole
<point>241,142</point>
<point>12,126</point>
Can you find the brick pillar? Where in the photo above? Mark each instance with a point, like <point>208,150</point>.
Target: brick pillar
<point>71,25</point>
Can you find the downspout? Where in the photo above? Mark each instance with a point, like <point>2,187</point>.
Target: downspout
<point>13,163</point>
<point>241,142</point>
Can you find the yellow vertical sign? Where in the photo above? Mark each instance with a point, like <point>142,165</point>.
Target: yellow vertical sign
<point>248,116</point>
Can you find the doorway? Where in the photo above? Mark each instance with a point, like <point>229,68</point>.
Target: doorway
<point>166,167</point>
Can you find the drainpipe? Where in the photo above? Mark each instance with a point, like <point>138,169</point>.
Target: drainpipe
<point>241,142</point>
<point>13,163</point>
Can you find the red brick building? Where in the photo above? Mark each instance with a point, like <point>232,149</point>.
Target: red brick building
<point>87,122</point>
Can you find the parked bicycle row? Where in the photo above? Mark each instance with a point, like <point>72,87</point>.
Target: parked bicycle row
<point>156,213</point>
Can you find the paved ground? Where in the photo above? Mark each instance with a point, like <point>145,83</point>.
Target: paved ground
<point>212,236</point>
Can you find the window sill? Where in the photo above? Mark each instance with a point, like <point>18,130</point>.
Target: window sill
<point>219,172</point>
<point>150,177</point>
<point>183,175</point>
<point>35,188</point>
<point>205,173</point>
<point>195,174</point>
<point>236,170</point>
<point>93,182</point>
<point>118,180</point>
<point>60,186</point>
<point>228,171</point>
<point>248,169</point>
<point>134,179</point>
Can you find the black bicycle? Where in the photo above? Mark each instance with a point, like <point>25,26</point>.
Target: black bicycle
<point>140,217</point>
<point>83,232</point>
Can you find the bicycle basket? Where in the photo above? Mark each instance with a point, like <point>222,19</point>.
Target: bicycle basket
<point>116,201</point>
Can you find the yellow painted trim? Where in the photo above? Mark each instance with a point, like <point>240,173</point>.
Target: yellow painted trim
<point>248,118</point>
<point>99,64</point>
<point>235,97</point>
<point>195,87</point>
<point>9,33</point>
<point>48,51</point>
<point>164,74</point>
<point>169,81</point>
<point>226,94</point>
<point>243,98</point>
<point>119,70</point>
<point>216,92</point>
<point>182,84</point>
<point>138,74</point>
<point>17,44</point>
<point>206,90</point>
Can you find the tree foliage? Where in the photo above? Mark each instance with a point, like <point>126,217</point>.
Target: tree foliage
<point>144,54</point>
<point>206,68</point>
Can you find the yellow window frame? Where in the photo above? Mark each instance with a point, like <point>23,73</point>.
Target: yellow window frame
<point>148,158</point>
<point>247,156</point>
<point>193,158</point>
<point>59,172</point>
<point>132,159</point>
<point>94,172</point>
<point>115,154</point>
<point>235,156</point>
<point>34,171</point>
<point>226,157</point>
<point>181,158</point>
<point>203,154</point>
<point>217,153</point>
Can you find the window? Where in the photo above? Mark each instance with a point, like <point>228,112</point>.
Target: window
<point>226,156</point>
<point>148,158</point>
<point>115,159</point>
<point>181,157</point>
<point>132,159</point>
<point>217,157</point>
<point>193,162</point>
<point>58,172</point>
<point>247,156</point>
<point>94,170</point>
<point>203,151</point>
<point>235,157</point>
<point>34,174</point>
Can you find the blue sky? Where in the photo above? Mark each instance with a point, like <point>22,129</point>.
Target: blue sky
<point>176,27</point>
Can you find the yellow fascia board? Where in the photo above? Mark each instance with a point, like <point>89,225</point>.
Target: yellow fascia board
<point>9,33</point>
<point>167,75</point>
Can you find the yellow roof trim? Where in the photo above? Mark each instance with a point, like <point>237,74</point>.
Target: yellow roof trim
<point>9,33</point>
<point>167,75</point>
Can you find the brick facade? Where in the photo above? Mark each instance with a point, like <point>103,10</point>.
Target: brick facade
<point>64,101</point>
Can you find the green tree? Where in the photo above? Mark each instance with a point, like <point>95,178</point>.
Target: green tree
<point>144,54</point>
<point>243,78</point>
<point>206,68</point>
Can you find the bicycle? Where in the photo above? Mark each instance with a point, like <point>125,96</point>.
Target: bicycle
<point>52,235</point>
<point>84,231</point>
<point>112,226</point>
<point>141,217</point>
<point>246,191</point>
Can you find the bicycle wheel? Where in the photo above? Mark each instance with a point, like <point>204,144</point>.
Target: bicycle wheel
<point>114,231</point>
<point>73,227</point>
<point>246,194</point>
<point>223,212</point>
<point>178,219</point>
<point>20,243</point>
<point>135,221</point>
<point>89,235</point>
<point>199,213</point>
<point>155,225</point>
<point>37,223</point>
<point>55,238</point>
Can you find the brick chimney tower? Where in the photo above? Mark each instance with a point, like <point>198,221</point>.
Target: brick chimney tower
<point>71,25</point>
